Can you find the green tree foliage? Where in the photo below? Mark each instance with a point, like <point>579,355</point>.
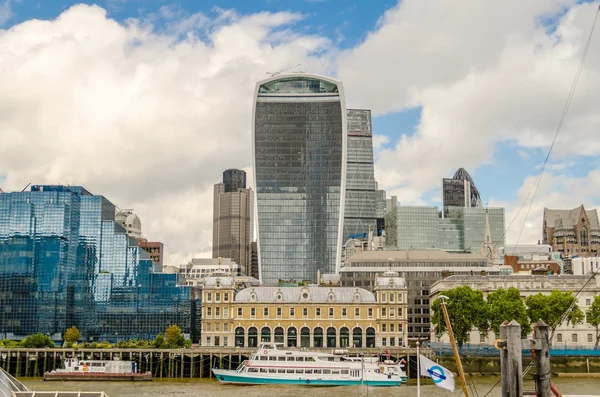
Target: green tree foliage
<point>173,335</point>
<point>593,317</point>
<point>72,335</point>
<point>507,305</point>
<point>467,310</point>
<point>37,341</point>
<point>551,308</point>
<point>158,341</point>
<point>188,343</point>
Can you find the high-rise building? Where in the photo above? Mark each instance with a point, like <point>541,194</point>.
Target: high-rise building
<point>234,179</point>
<point>65,261</point>
<point>572,232</point>
<point>360,213</point>
<point>299,142</point>
<point>462,228</point>
<point>233,220</point>
<point>460,191</point>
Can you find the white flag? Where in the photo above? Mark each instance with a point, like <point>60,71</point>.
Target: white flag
<point>440,375</point>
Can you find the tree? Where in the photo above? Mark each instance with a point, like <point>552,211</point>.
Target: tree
<point>37,341</point>
<point>593,317</point>
<point>158,341</point>
<point>507,305</point>
<point>551,308</point>
<point>72,335</point>
<point>172,335</point>
<point>467,310</point>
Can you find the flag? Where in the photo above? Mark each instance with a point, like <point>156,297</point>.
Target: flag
<point>440,375</point>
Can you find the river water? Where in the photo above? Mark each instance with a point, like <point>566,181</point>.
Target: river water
<point>211,388</point>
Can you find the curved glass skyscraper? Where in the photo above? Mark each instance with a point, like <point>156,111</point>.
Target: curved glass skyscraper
<point>299,142</point>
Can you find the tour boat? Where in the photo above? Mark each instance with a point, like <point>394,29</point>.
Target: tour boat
<point>270,365</point>
<point>76,369</point>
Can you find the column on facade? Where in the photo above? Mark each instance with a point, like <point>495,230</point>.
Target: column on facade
<point>364,337</point>
<point>285,335</point>
<point>337,338</point>
<point>245,338</point>
<point>312,339</point>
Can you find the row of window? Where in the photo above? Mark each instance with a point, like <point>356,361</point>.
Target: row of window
<point>392,313</point>
<point>300,371</point>
<point>209,297</point>
<point>574,338</point>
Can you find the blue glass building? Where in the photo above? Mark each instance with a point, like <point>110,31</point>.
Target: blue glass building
<point>65,261</point>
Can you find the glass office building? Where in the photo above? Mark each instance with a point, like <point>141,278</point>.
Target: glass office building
<point>462,228</point>
<point>65,261</point>
<point>360,214</point>
<point>299,138</point>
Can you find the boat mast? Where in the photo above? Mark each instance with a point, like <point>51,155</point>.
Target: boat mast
<point>461,374</point>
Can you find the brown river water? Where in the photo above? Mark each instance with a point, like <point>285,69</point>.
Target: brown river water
<point>210,387</point>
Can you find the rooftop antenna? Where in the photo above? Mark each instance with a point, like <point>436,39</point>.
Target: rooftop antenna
<point>25,187</point>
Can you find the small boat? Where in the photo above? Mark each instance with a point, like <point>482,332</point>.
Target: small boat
<point>270,365</point>
<point>76,369</point>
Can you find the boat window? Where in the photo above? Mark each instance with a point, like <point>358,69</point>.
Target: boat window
<point>344,372</point>
<point>330,358</point>
<point>290,358</point>
<point>290,371</point>
<point>335,371</point>
<point>317,371</point>
<point>263,358</point>
<point>299,371</point>
<point>281,371</point>
<point>282,358</point>
<point>96,364</point>
<point>76,368</point>
<point>272,358</point>
<point>309,359</point>
<point>299,358</point>
<point>263,370</point>
<point>272,370</point>
<point>252,369</point>
<point>326,371</point>
<point>308,371</point>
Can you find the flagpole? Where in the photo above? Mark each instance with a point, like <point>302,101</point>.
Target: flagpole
<point>418,371</point>
<point>461,374</point>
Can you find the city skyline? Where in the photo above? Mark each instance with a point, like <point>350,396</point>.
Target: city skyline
<point>153,96</point>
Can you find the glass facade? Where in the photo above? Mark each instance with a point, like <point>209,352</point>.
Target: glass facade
<point>65,261</point>
<point>299,155</point>
<point>462,228</point>
<point>460,191</point>
<point>360,214</point>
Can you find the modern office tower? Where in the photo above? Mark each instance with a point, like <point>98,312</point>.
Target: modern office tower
<point>233,220</point>
<point>462,229</point>
<point>130,222</point>
<point>253,260</point>
<point>360,214</point>
<point>154,248</point>
<point>65,261</point>
<point>234,179</point>
<point>572,232</point>
<point>460,191</point>
<point>299,143</point>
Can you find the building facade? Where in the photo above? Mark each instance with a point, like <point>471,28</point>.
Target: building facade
<point>300,146</point>
<point>567,335</point>
<point>154,248</point>
<point>130,222</point>
<point>304,316</point>
<point>572,232</point>
<point>64,261</point>
<point>233,219</point>
<point>420,269</point>
<point>460,191</point>
<point>360,213</point>
<point>461,229</point>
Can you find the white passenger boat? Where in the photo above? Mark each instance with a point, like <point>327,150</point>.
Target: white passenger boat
<point>270,365</point>
<point>76,369</point>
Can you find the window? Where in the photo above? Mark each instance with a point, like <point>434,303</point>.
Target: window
<point>209,296</point>
<point>391,327</point>
<point>225,312</point>
<point>383,327</point>
<point>217,329</point>
<point>318,312</point>
<point>304,312</point>
<point>590,338</point>
<point>217,312</point>
<point>208,340</point>
<point>331,312</point>
<point>481,338</point>
<point>225,327</point>
<point>225,341</point>
<point>574,338</point>
<point>240,312</point>
<point>383,297</point>
<point>356,312</point>
<point>392,341</point>
<point>391,300</point>
<point>226,297</point>
<point>266,312</point>
<point>559,337</point>
<point>292,313</point>
<point>209,312</point>
<point>400,298</point>
<point>252,312</point>
<point>281,358</point>
<point>278,312</point>
<point>218,297</point>
<point>383,341</point>
<point>208,328</point>
<point>383,312</point>
<point>370,312</point>
<point>588,302</point>
<point>343,312</point>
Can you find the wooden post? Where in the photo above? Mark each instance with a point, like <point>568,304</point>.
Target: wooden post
<point>210,364</point>
<point>8,362</point>
<point>201,365</point>
<point>45,361</point>
<point>511,360</point>
<point>182,364</point>
<point>162,359</point>
<point>191,365</point>
<point>542,360</point>
<point>229,358</point>
<point>18,364</point>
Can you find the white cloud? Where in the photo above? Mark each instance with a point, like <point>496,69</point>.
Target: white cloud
<point>145,118</point>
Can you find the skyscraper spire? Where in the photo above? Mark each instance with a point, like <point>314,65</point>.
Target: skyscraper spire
<point>488,249</point>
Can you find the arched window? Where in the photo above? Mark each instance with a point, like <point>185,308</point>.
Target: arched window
<point>292,340</point>
<point>370,337</point>
<point>583,236</point>
<point>344,337</point>
<point>239,337</point>
<point>265,334</point>
<point>304,337</point>
<point>331,336</point>
<point>252,337</point>
<point>318,337</point>
<point>278,335</point>
<point>357,337</point>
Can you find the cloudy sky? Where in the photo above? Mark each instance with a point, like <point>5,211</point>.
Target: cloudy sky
<point>147,102</point>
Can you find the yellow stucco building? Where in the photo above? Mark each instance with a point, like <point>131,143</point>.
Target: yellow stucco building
<point>304,316</point>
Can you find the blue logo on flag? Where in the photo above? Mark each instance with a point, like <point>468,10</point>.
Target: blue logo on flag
<point>437,374</point>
